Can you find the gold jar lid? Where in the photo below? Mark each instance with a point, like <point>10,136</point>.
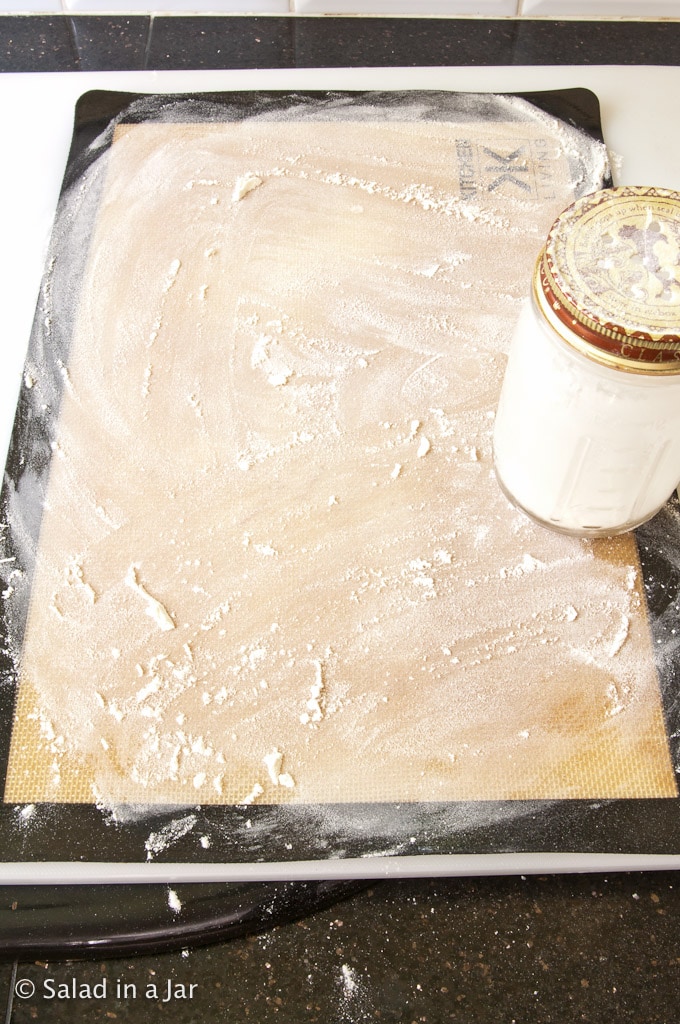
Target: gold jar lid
<point>608,278</point>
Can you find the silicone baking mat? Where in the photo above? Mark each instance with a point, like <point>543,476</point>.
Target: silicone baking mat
<point>263,599</point>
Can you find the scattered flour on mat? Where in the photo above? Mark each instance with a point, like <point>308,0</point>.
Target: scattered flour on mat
<point>420,614</point>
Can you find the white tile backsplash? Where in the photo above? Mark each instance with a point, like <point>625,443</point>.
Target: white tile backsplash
<point>488,7</point>
<point>602,8</point>
<point>174,6</point>
<point>30,6</point>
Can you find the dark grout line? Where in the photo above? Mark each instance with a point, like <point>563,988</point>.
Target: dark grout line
<point>73,39</point>
<point>147,48</point>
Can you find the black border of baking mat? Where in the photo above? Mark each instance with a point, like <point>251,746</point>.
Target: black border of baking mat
<point>291,832</point>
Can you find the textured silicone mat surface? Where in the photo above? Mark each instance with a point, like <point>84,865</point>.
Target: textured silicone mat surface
<point>273,564</point>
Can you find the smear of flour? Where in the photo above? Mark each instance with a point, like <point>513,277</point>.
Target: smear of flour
<point>171,833</point>
<point>154,609</point>
<point>245,184</point>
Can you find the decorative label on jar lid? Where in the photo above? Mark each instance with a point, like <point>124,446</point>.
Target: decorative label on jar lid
<point>610,275</point>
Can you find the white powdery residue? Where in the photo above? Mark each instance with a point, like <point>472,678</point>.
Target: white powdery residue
<point>423,447</point>
<point>281,377</point>
<point>173,271</point>
<point>528,565</point>
<point>152,686</point>
<point>146,383</point>
<point>215,617</point>
<point>274,762</point>
<point>115,711</point>
<point>107,518</point>
<point>396,471</point>
<point>255,792</point>
<point>265,358</point>
<point>631,577</point>
<point>446,427</point>
<point>257,655</point>
<point>47,732</point>
<point>417,572</point>
<point>259,452</point>
<point>591,159</point>
<point>171,833</point>
<point>155,330</point>
<point>199,746</point>
<point>75,577</point>
<point>57,449</point>
<point>616,705</point>
<point>424,196</point>
<point>481,534</point>
<point>200,181</point>
<point>315,712</point>
<point>349,982</point>
<point>205,842</point>
<point>25,813</point>
<point>570,613</point>
<point>266,549</point>
<point>245,184</point>
<point>154,609</point>
<point>457,259</point>
<point>67,378</point>
<point>174,902</point>
<point>620,637</point>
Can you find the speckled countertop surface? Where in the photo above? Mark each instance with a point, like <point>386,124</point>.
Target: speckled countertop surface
<point>122,43</point>
<point>530,950</point>
<point>535,949</point>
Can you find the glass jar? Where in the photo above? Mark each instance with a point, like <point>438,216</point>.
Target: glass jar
<point>587,432</point>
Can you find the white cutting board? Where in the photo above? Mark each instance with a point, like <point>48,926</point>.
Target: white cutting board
<point>638,118</point>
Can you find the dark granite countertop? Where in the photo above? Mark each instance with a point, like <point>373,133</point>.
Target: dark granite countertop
<point>532,950</point>
<point>535,949</point>
<point>205,42</point>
